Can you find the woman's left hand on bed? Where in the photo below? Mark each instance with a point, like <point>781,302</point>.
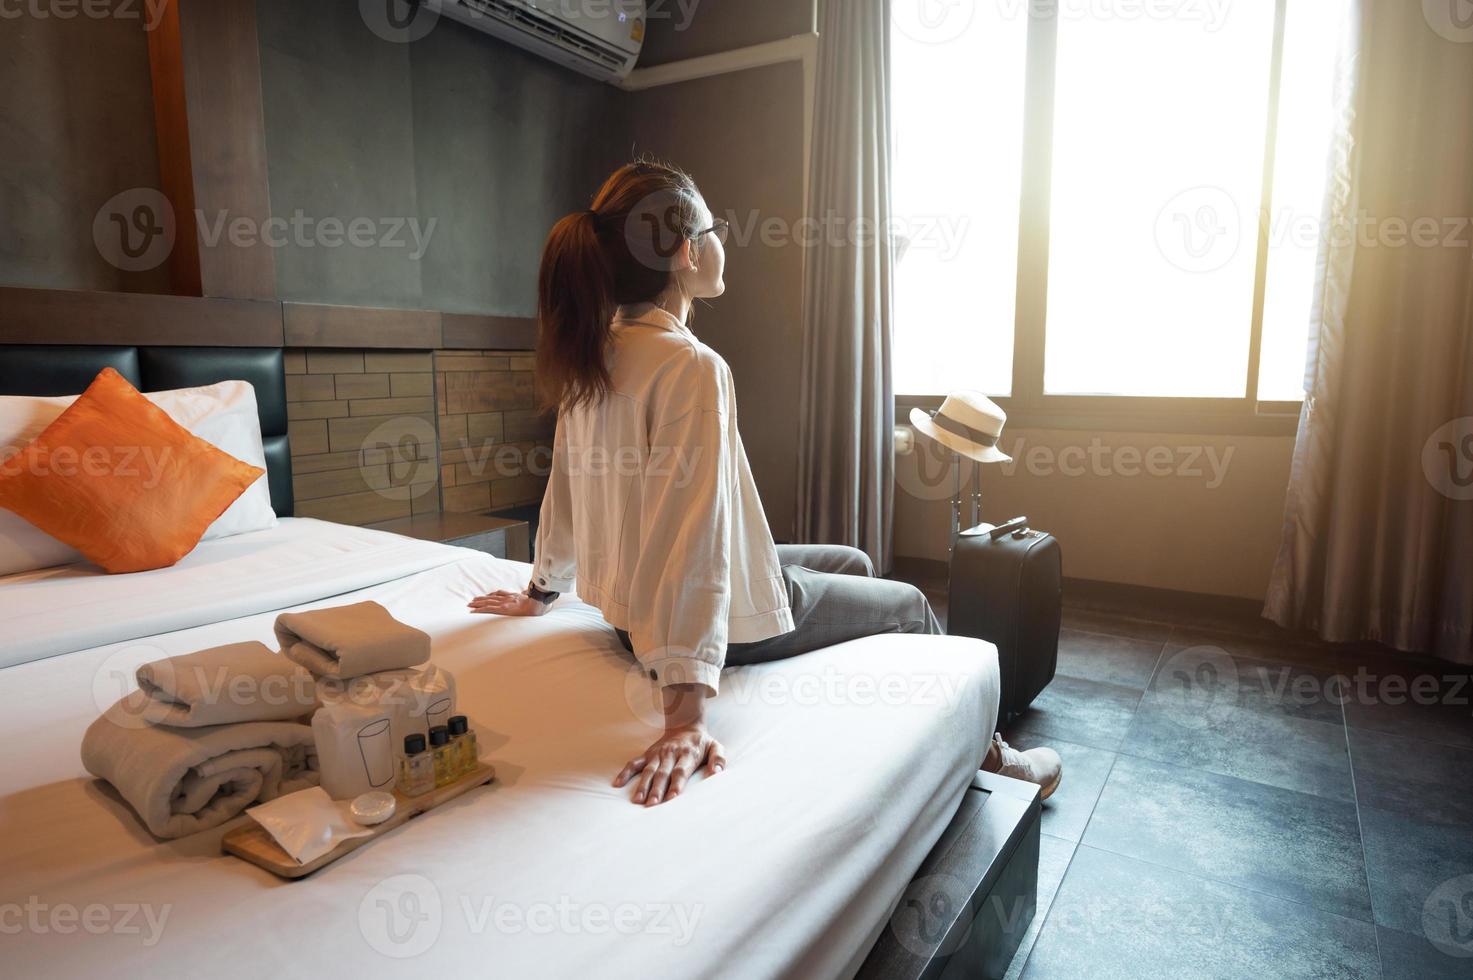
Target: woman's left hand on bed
<point>666,766</point>
<point>506,603</point>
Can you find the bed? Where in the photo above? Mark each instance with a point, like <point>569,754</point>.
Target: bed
<point>850,770</point>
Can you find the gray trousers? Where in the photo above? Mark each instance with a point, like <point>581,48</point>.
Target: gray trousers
<point>835,597</point>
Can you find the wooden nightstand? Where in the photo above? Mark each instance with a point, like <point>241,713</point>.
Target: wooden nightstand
<point>496,536</point>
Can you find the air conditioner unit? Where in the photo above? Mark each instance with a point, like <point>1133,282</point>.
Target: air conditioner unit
<point>598,38</point>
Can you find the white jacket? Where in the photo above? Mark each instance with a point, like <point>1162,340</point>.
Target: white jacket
<point>652,507</point>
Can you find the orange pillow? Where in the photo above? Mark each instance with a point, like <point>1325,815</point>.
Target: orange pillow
<point>120,481</point>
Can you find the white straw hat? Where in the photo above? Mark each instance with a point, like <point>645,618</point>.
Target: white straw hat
<point>969,423</point>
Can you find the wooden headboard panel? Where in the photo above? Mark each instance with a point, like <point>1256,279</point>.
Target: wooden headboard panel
<point>68,370</point>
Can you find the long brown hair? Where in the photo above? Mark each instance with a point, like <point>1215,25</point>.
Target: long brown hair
<point>621,251</point>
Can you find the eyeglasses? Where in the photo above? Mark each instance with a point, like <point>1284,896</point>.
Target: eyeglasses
<point>721,229</point>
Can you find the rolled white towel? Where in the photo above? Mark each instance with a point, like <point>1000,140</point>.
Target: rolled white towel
<point>350,641</point>
<point>184,780</point>
<point>225,685</point>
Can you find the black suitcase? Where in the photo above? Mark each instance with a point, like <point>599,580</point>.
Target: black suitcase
<point>1006,587</point>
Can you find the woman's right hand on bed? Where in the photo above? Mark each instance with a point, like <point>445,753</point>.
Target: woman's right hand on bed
<point>660,774</point>
<point>506,603</point>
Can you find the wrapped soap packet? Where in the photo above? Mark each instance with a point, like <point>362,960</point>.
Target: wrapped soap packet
<point>307,824</point>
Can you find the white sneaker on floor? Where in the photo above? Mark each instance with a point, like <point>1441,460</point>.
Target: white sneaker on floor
<point>1041,766</point>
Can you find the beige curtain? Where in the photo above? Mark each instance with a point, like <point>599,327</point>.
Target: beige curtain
<point>1378,536</point>
<point>846,462</point>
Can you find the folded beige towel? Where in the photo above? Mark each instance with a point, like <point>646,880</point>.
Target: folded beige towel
<point>184,780</point>
<point>350,641</point>
<point>225,685</point>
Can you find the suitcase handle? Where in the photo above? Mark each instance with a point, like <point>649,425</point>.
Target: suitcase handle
<point>1008,527</point>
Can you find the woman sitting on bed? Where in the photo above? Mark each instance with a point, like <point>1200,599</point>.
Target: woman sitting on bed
<point>650,498</point>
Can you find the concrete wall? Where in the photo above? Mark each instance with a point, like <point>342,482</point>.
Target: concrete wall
<point>681,29</point>
<point>1193,513</point>
<point>741,137</point>
<point>76,122</point>
<point>480,144</point>
<point>494,145</point>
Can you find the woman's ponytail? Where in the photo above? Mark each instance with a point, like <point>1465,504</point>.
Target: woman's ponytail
<point>575,304</point>
<point>620,252</point>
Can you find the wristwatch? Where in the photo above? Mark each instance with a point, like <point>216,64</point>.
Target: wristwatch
<point>542,596</point>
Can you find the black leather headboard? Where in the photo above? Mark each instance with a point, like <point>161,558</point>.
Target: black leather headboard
<point>46,370</point>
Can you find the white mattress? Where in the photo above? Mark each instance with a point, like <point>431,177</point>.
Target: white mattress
<point>845,766</point>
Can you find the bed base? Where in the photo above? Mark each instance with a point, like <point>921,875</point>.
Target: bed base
<point>974,896</point>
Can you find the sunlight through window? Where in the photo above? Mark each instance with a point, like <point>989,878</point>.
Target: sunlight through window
<point>957,171</point>
<point>1160,130</point>
<point>1159,142</point>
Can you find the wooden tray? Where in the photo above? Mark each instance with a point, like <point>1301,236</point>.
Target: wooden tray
<point>250,841</point>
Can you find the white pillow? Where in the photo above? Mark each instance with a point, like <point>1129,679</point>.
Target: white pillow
<point>223,415</point>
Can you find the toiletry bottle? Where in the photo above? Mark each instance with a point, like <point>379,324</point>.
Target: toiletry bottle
<point>446,770</point>
<point>463,740</point>
<point>417,768</point>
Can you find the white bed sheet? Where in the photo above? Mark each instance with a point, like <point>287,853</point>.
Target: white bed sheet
<point>845,766</point>
<point>74,607</point>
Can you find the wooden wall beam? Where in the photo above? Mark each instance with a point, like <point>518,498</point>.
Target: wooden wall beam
<point>209,112</point>
<point>70,316</point>
<point>65,316</point>
<point>465,331</point>
<point>309,325</point>
<point>171,128</point>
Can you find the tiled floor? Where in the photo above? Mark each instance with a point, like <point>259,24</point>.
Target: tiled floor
<point>1238,803</point>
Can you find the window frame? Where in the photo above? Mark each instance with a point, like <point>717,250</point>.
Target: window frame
<point>1029,405</point>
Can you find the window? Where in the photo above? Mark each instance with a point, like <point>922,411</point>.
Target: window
<point>956,195</point>
<point>1110,200</point>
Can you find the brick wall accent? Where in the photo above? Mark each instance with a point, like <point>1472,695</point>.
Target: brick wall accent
<point>378,435</point>
<point>362,427</point>
<point>494,443</point>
